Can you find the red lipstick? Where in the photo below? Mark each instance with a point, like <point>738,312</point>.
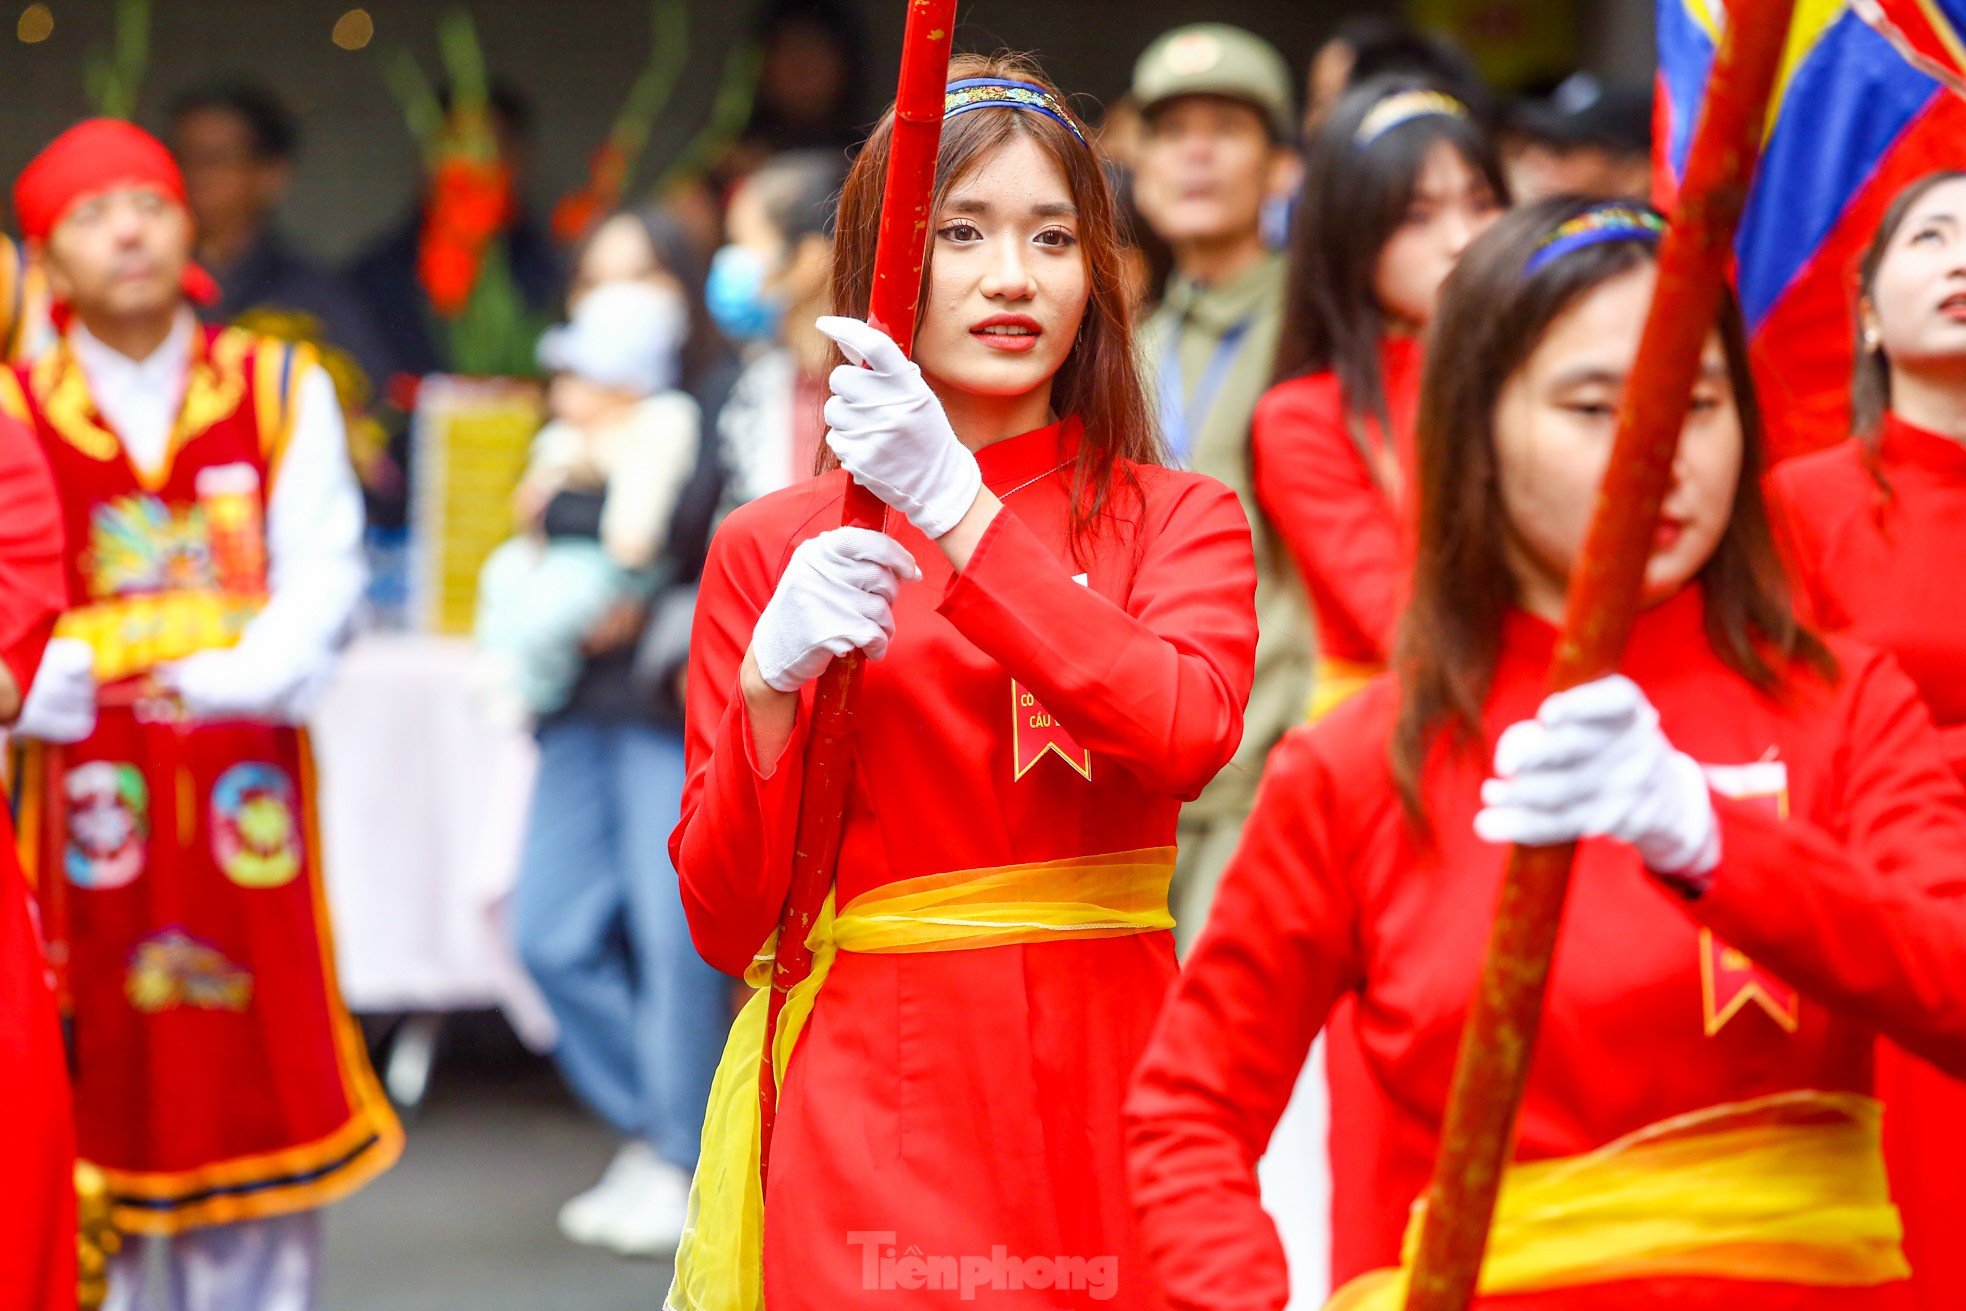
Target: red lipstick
<point>1008,332</point>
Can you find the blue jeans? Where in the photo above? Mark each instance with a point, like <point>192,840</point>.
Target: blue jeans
<point>598,919</point>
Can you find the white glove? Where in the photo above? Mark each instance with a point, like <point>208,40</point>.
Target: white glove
<point>243,683</point>
<point>61,706</point>
<point>836,596</point>
<point>890,434</point>
<point>1593,763</point>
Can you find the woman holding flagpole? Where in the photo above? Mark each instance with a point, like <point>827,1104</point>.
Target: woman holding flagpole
<point>1063,634</point>
<point>1875,528</point>
<point>1767,879</point>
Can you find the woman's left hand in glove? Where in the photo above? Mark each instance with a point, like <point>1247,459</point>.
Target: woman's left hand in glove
<point>1595,763</point>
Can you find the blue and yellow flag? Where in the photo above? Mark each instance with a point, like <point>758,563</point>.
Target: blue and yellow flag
<point>1872,94</point>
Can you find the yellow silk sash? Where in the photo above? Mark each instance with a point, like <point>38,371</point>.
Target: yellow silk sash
<point>720,1265</point>
<point>1787,1189</point>
<point>1334,680</point>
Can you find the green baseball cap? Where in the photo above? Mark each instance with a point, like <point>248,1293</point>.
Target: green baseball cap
<point>1215,59</point>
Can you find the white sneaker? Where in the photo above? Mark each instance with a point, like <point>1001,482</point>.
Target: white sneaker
<point>648,1215</point>
<point>587,1218</point>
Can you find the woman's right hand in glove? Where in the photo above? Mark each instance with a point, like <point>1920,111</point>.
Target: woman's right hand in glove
<point>836,596</point>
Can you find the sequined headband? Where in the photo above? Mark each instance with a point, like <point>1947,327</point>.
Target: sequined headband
<point>1594,227</point>
<point>993,92</point>
<point>1404,107</point>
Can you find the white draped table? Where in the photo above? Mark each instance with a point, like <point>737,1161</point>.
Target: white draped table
<point>423,803</point>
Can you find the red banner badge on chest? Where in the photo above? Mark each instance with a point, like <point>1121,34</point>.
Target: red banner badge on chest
<point>1033,732</point>
<point>1729,980</point>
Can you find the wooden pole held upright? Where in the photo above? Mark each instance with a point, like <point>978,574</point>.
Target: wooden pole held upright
<point>899,253</point>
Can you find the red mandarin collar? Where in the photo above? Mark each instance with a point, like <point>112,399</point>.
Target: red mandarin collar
<point>1662,638</point>
<point>1906,444</point>
<point>1029,455</point>
<point>1400,357</point>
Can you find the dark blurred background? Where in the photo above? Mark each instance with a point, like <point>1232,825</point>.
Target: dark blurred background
<point>573,60</point>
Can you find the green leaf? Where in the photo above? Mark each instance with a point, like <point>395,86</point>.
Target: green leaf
<point>736,94</point>
<point>422,111</point>
<point>495,335</point>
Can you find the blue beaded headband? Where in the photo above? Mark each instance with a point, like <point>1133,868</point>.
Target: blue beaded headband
<point>1594,227</point>
<point>1404,107</point>
<point>994,92</point>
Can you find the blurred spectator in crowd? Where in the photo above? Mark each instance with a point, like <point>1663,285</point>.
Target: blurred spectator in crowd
<point>767,285</point>
<point>597,913</point>
<point>1147,260</point>
<point>1372,45</point>
<point>385,278</point>
<point>1583,139</point>
<point>236,144</point>
<point>622,429</point>
<point>1216,124</point>
<point>813,56</point>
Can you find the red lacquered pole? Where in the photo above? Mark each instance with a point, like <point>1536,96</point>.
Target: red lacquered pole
<point>898,257</point>
<point>1479,1134</point>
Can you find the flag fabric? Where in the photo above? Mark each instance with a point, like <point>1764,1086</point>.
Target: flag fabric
<point>1871,95</point>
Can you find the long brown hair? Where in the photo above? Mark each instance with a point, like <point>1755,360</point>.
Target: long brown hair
<point>1870,375</point>
<point>1100,379</point>
<point>1491,317</point>
<point>1355,196</point>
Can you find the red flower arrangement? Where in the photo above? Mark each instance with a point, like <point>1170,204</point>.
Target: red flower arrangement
<point>469,203</point>
<point>578,211</point>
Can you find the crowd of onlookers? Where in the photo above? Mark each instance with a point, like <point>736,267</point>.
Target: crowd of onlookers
<point>685,376</point>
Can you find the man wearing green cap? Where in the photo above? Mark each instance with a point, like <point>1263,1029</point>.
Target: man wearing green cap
<point>1216,107</point>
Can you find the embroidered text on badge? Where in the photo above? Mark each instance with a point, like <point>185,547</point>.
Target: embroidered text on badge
<point>1729,980</point>
<point>1033,731</point>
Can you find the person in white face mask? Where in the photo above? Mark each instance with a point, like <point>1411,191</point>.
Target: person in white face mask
<point>766,286</point>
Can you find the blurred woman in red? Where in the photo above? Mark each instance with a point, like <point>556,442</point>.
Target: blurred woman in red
<point>1399,180</point>
<point>1064,634</point>
<point>1768,875</point>
<point>37,1144</point>
<point>1876,528</point>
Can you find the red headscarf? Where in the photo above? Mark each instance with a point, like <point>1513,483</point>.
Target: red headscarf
<point>97,155</point>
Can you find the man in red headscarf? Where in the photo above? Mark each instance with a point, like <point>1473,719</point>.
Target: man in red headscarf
<point>167,799</point>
